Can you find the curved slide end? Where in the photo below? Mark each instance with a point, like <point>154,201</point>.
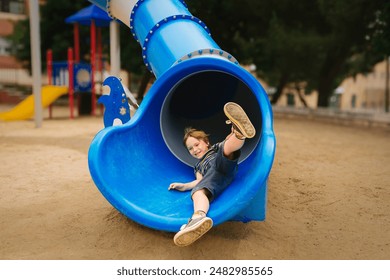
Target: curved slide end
<point>25,109</point>
<point>133,164</point>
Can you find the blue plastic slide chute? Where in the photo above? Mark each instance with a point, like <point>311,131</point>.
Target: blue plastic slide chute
<point>133,164</point>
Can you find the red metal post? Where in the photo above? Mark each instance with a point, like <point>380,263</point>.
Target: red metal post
<point>76,42</point>
<point>100,62</point>
<point>99,50</point>
<point>93,63</point>
<point>49,66</point>
<point>71,84</point>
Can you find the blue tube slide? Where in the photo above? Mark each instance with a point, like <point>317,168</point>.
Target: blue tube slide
<point>133,164</point>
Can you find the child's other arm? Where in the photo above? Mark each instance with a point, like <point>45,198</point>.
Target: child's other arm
<point>186,186</point>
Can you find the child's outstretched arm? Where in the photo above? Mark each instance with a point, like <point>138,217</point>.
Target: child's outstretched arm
<point>186,186</point>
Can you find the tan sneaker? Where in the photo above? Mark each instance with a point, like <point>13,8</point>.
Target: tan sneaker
<point>192,231</point>
<point>242,126</point>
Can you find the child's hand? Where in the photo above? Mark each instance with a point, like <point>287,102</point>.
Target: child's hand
<point>185,186</point>
<point>178,186</point>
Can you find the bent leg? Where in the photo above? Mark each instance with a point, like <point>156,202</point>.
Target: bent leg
<point>232,144</point>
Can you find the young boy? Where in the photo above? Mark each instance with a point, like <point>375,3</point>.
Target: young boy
<point>214,171</point>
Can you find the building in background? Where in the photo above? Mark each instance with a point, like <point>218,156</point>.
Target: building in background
<point>363,92</point>
<point>11,71</point>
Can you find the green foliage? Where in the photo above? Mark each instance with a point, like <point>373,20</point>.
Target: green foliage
<point>55,33</point>
<point>58,35</point>
<point>319,42</point>
<point>380,35</point>
<point>21,44</point>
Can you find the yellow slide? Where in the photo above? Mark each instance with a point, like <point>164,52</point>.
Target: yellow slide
<point>25,109</point>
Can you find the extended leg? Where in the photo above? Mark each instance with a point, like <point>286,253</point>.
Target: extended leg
<point>199,224</point>
<point>201,203</point>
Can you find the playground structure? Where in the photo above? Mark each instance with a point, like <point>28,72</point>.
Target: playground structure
<point>95,18</point>
<point>71,76</point>
<point>66,77</point>
<point>133,164</point>
<point>77,75</point>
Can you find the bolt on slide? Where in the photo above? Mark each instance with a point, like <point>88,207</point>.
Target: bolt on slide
<point>133,164</point>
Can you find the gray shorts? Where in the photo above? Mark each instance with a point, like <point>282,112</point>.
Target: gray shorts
<point>220,174</point>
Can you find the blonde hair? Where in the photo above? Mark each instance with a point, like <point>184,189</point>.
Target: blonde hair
<point>198,134</point>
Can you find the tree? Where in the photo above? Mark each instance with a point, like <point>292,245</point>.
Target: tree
<point>319,42</point>
<point>381,44</point>
<point>279,37</point>
<point>58,35</point>
<point>289,52</point>
<point>20,45</point>
<point>349,26</point>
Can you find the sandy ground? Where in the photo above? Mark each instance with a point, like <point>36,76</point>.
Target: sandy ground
<point>329,194</point>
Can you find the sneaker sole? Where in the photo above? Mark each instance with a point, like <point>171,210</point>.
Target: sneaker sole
<point>188,236</point>
<point>239,118</point>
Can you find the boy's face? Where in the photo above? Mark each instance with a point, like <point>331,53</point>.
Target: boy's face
<point>197,147</point>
